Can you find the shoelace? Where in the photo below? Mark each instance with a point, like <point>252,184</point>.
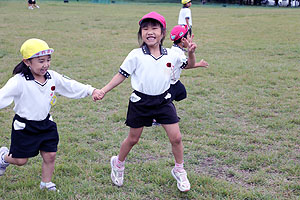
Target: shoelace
<point>182,176</point>
<point>119,174</point>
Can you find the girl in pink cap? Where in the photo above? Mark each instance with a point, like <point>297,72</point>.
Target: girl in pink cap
<point>150,68</point>
<point>181,42</point>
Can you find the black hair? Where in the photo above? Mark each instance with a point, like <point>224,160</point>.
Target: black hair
<point>21,68</point>
<point>179,40</point>
<point>151,22</point>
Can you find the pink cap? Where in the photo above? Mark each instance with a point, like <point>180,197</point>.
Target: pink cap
<point>178,32</point>
<point>156,16</point>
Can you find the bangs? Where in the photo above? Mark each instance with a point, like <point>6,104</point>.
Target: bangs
<point>151,22</point>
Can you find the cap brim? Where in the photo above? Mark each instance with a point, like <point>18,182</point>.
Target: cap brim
<point>43,53</point>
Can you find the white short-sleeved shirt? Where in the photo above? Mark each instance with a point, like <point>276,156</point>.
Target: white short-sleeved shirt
<point>150,75</point>
<point>183,14</point>
<point>33,99</point>
<point>178,68</point>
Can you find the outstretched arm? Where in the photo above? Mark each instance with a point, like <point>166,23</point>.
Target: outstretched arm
<point>202,63</point>
<point>115,81</point>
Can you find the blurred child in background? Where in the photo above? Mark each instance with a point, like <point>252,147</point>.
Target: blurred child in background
<point>32,4</point>
<point>185,15</point>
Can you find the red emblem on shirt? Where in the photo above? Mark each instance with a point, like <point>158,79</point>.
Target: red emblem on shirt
<point>169,64</point>
<point>53,88</point>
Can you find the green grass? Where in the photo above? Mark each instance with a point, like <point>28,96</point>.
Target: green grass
<point>240,122</point>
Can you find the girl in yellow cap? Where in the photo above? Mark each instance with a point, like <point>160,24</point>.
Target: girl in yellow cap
<point>185,15</point>
<point>32,89</point>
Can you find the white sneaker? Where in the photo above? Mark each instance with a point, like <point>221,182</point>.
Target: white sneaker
<point>49,186</point>
<point>30,7</point>
<point>117,174</point>
<point>37,6</point>
<point>3,151</point>
<point>183,183</point>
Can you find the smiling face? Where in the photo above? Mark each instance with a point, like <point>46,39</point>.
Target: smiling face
<point>152,35</point>
<point>39,66</point>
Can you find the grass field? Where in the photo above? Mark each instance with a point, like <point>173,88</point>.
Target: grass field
<point>240,122</point>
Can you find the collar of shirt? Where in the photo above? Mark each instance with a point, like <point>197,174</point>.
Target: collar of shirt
<point>146,50</point>
<point>29,76</point>
<point>175,45</point>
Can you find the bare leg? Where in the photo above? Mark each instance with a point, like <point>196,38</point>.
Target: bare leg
<point>15,161</point>
<point>174,135</point>
<point>48,165</point>
<point>132,138</point>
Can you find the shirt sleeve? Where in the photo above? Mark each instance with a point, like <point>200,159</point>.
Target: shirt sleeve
<point>71,88</point>
<point>184,61</point>
<point>181,60</point>
<point>9,92</point>
<point>188,13</point>
<point>129,64</point>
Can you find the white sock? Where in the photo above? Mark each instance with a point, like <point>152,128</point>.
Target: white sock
<point>119,163</point>
<point>43,184</point>
<point>178,167</point>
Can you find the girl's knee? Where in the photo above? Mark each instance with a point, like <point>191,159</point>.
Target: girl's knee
<point>52,155</point>
<point>20,161</point>
<point>134,141</point>
<point>49,156</point>
<point>176,140</point>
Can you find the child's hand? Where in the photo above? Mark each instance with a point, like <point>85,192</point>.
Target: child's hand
<point>203,63</point>
<point>190,45</point>
<point>98,94</point>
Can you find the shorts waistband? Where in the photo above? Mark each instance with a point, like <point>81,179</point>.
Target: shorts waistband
<point>146,96</point>
<point>21,119</point>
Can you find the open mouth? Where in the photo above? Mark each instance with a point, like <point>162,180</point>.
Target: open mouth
<point>151,38</point>
<point>44,70</point>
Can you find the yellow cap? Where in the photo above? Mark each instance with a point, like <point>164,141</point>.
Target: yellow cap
<point>34,48</point>
<point>185,1</point>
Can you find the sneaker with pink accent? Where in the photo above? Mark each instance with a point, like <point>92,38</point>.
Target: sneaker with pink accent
<point>183,183</point>
<point>117,174</point>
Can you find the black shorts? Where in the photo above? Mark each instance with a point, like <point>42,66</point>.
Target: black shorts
<point>177,91</point>
<point>31,1</point>
<point>28,137</point>
<point>142,109</point>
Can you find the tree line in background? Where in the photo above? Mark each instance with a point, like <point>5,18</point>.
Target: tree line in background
<point>239,2</point>
<point>224,2</point>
